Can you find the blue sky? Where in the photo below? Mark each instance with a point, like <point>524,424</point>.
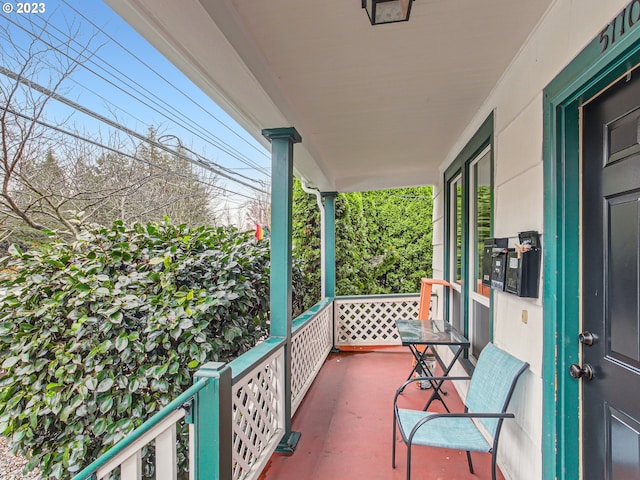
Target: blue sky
<point>199,122</point>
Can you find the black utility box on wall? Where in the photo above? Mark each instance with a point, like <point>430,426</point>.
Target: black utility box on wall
<point>498,270</point>
<point>492,246</point>
<point>523,266</point>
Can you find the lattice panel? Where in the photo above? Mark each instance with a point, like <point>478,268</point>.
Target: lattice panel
<point>371,321</point>
<point>257,416</point>
<point>310,345</point>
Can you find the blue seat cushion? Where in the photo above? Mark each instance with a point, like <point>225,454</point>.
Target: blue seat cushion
<point>454,433</point>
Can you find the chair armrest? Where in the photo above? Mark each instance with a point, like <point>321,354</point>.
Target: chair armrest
<point>458,415</point>
<point>468,415</point>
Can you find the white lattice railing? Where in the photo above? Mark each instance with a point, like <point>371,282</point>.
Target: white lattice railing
<point>255,392</point>
<point>258,395</point>
<point>258,415</point>
<point>130,460</point>
<point>311,342</point>
<point>370,321</point>
<point>159,433</point>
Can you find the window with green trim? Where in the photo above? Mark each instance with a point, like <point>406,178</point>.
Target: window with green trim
<point>455,202</point>
<point>480,215</point>
<point>469,185</point>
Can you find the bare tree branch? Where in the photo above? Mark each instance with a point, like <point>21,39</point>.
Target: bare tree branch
<point>57,179</point>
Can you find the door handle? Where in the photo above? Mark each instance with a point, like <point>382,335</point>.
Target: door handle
<point>587,338</point>
<point>586,371</point>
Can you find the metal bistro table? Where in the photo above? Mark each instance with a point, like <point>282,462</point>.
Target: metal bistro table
<point>430,333</point>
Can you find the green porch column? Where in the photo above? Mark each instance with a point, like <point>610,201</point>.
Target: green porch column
<point>211,415</point>
<point>282,140</point>
<point>330,243</point>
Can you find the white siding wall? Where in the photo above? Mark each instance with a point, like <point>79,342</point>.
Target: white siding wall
<point>565,30</point>
<point>438,243</point>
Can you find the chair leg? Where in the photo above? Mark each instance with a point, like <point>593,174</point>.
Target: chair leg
<point>408,461</point>
<point>493,466</point>
<point>393,442</point>
<point>470,462</point>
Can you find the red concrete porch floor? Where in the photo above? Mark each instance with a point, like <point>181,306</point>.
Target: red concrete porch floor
<point>346,426</point>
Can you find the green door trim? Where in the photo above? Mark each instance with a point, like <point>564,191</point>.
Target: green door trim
<point>590,72</point>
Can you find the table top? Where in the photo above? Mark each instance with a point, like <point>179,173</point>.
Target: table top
<point>430,332</point>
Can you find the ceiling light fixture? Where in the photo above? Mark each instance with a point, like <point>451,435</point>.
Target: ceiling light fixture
<point>387,11</point>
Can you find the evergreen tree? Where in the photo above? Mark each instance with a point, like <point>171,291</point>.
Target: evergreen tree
<point>150,186</point>
<point>354,272</point>
<point>306,242</point>
<point>400,233</point>
<point>383,241</point>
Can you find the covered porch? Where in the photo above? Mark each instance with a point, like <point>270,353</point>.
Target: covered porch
<point>481,100</point>
<point>345,422</point>
<point>346,365</point>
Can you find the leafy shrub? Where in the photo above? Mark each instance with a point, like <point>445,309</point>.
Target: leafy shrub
<point>98,334</point>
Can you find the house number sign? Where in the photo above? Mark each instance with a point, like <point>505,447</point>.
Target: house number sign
<point>619,26</point>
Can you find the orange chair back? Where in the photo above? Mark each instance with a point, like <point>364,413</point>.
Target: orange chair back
<point>426,288</point>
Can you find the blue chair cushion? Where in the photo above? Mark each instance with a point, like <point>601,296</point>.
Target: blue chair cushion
<point>455,433</point>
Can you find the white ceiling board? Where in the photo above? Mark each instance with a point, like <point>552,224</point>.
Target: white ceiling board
<point>377,106</point>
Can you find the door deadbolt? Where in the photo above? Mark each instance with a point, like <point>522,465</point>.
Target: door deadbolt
<point>585,371</point>
<point>587,338</point>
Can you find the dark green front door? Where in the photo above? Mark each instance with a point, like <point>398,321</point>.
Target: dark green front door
<point>611,283</point>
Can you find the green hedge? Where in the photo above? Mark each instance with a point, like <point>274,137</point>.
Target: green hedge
<point>99,334</point>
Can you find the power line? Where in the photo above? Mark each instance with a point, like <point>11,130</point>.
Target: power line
<point>230,171</point>
<point>216,142</point>
<point>213,140</point>
<point>206,164</point>
<point>119,152</point>
<point>114,40</point>
<point>112,104</point>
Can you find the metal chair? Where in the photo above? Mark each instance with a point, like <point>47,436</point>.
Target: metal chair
<point>490,390</point>
<point>426,288</point>
<point>425,313</point>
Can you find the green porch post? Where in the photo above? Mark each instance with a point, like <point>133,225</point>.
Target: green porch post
<point>211,415</point>
<point>330,243</point>
<point>282,140</point>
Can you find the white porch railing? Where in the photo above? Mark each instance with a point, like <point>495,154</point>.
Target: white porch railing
<point>369,321</point>
<point>163,435</point>
<point>238,420</point>
<point>258,393</point>
<point>126,456</point>
<point>311,342</point>
<point>258,415</point>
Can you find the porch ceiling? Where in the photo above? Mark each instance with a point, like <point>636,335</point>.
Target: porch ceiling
<point>377,107</point>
